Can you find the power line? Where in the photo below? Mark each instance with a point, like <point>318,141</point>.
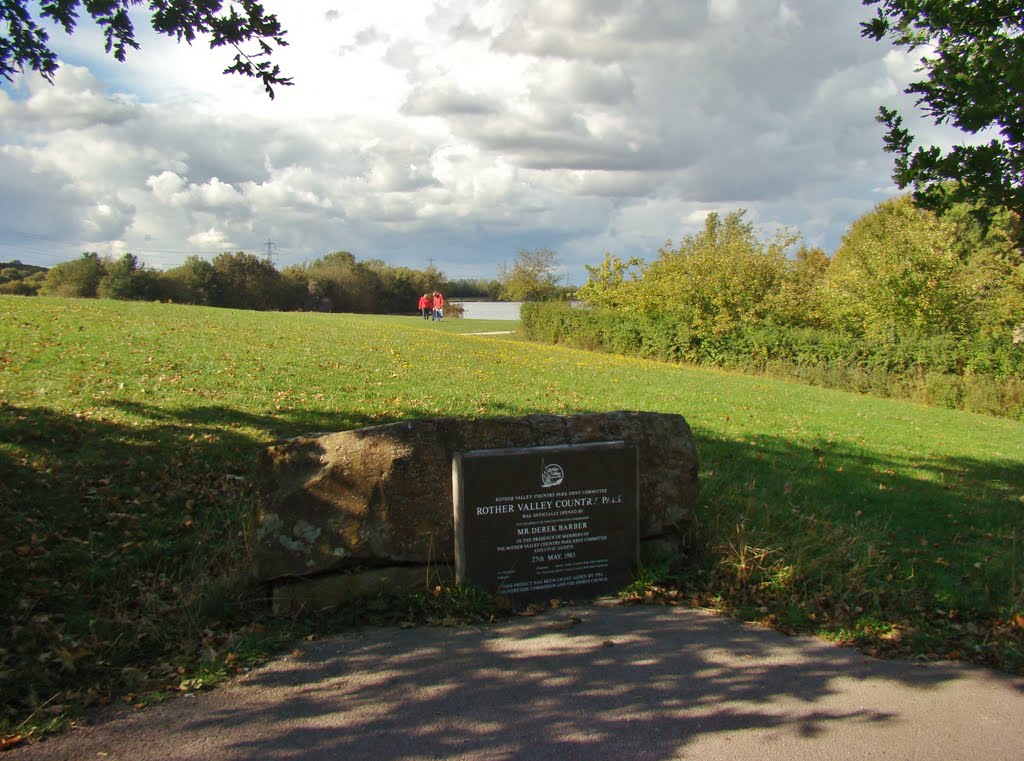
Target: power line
<point>78,243</point>
<point>51,251</point>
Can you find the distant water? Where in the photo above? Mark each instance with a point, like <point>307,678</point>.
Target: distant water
<point>490,310</point>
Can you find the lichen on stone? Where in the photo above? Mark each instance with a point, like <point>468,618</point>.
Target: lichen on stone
<point>305,531</point>
<point>293,545</point>
<point>270,523</point>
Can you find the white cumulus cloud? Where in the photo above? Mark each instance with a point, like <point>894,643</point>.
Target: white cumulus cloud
<point>456,132</point>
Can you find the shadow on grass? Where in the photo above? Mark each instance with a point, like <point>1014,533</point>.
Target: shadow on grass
<point>122,542</point>
<point>906,553</point>
<point>288,422</point>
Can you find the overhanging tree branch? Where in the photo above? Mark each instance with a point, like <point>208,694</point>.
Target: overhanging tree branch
<point>974,80</point>
<point>25,46</point>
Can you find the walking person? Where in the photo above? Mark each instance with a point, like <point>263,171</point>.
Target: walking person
<point>438,305</point>
<point>426,306</point>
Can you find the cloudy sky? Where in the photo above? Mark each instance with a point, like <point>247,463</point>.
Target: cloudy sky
<point>456,133</point>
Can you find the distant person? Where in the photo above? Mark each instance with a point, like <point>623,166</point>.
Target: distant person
<point>438,305</point>
<point>426,306</point>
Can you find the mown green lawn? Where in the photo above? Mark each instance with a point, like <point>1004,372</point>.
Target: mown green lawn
<point>128,435</point>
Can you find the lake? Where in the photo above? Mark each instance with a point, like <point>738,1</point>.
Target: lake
<point>490,310</point>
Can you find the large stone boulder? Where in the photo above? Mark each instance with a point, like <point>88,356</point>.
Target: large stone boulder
<point>382,496</point>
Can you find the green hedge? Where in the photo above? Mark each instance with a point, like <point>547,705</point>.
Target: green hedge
<point>984,375</point>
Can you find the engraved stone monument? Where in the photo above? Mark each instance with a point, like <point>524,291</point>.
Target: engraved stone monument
<point>547,521</point>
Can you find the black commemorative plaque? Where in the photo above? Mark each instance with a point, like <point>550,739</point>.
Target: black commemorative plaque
<point>553,521</point>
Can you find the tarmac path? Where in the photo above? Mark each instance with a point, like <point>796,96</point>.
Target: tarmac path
<point>601,681</point>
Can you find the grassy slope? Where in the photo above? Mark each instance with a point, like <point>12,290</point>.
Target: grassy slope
<point>128,433</point>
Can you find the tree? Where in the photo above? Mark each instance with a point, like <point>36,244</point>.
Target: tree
<point>719,279</point>
<point>399,288</point>
<point>248,282</point>
<point>25,44</point>
<point>349,285</point>
<point>75,279</point>
<point>19,279</point>
<point>471,288</point>
<point>532,277</point>
<point>126,279</point>
<point>614,284</point>
<point>799,301</point>
<point>338,283</point>
<point>974,79</point>
<point>903,271</point>
<point>194,282</point>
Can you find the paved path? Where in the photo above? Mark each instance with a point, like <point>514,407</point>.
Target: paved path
<point>596,682</point>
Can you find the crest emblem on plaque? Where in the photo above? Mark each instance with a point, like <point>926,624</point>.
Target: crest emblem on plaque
<point>551,475</point>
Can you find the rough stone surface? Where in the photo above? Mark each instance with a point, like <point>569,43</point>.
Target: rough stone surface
<point>336,589</point>
<point>383,495</point>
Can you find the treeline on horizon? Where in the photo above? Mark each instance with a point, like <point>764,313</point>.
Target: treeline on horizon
<point>336,282</point>
<point>911,305</point>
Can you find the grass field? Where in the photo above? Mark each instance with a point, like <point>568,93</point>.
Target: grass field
<point>128,434</point>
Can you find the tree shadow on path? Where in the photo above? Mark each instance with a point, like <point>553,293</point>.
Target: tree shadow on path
<point>594,682</point>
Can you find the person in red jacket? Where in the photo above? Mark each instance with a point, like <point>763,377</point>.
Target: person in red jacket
<point>438,305</point>
<point>426,306</point>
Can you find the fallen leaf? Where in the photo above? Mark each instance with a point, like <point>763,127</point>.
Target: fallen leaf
<point>10,741</point>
